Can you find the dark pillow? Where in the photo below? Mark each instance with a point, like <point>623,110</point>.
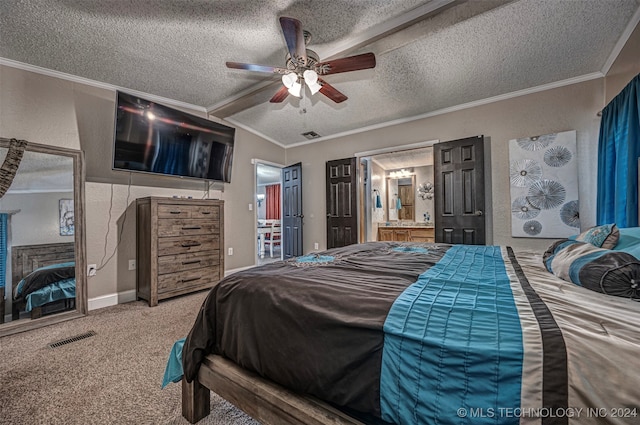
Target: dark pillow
<point>604,236</point>
<point>610,272</point>
<point>43,276</point>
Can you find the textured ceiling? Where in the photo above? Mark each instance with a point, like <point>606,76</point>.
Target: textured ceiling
<point>431,55</point>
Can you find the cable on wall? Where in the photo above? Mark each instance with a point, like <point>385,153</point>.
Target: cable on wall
<point>103,263</point>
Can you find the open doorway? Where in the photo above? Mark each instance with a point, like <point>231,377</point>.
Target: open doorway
<point>268,197</point>
<point>397,191</point>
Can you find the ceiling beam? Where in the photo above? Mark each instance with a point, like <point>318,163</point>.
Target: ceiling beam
<point>262,92</point>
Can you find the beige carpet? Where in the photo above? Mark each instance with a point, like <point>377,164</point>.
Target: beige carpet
<point>113,377</point>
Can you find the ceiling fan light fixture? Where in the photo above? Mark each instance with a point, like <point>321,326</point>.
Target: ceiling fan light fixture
<point>290,81</point>
<point>295,89</point>
<point>311,79</point>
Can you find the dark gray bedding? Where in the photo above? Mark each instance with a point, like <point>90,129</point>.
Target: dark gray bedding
<point>314,327</point>
<point>416,334</point>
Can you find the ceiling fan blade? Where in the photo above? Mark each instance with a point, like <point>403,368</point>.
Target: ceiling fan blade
<point>293,35</point>
<point>257,68</point>
<point>331,92</point>
<point>351,63</point>
<point>280,95</point>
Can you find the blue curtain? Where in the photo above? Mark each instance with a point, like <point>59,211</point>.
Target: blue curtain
<point>3,248</point>
<point>618,152</point>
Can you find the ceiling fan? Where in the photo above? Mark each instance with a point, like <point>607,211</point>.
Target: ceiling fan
<point>304,66</point>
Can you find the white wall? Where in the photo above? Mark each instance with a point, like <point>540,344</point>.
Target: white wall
<point>41,208</point>
<point>58,112</point>
<point>423,175</point>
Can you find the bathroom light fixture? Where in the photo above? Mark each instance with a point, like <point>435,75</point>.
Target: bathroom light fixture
<point>260,198</point>
<point>398,174</point>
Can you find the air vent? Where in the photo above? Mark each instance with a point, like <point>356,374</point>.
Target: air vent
<point>72,339</point>
<point>311,135</point>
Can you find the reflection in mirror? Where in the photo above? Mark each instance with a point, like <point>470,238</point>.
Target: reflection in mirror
<point>380,191</point>
<point>42,237</point>
<point>407,198</point>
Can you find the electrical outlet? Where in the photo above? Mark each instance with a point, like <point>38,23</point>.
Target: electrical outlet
<point>92,269</point>
<point>132,264</point>
<point>316,245</point>
<point>230,251</point>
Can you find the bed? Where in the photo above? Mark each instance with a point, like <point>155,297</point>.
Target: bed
<point>43,279</point>
<point>409,333</point>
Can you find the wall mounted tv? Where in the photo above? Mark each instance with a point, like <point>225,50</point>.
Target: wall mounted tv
<point>153,138</point>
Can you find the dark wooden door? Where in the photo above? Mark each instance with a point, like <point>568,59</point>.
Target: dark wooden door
<point>459,197</point>
<point>342,218</point>
<point>292,211</point>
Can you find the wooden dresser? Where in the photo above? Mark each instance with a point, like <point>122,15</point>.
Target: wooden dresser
<point>406,234</point>
<point>179,246</point>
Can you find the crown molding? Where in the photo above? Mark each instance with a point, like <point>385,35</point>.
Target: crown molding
<point>99,84</point>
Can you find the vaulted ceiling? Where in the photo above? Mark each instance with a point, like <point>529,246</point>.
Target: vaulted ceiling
<point>432,56</point>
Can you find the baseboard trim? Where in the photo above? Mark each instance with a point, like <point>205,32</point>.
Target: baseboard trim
<point>130,295</point>
<point>112,299</point>
<point>239,269</point>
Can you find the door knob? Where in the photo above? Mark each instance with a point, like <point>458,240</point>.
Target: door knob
<point>479,213</point>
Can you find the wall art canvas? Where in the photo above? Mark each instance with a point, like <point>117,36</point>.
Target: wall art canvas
<point>543,175</point>
<point>66,217</point>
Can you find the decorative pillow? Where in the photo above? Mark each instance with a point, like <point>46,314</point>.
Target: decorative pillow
<point>602,270</point>
<point>629,241</point>
<point>605,236</point>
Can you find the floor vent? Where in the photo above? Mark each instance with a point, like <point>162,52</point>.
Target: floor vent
<point>72,339</point>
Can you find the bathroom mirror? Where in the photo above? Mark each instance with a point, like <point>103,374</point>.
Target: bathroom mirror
<point>401,198</point>
<point>42,232</point>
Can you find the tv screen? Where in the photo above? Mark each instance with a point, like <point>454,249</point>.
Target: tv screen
<point>154,138</point>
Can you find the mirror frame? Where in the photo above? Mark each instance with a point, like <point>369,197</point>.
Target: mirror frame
<point>13,327</point>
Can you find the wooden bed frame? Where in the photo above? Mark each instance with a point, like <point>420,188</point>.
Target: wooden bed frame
<point>263,400</point>
<point>27,258</point>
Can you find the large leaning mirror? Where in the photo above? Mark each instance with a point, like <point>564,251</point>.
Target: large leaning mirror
<point>42,242</point>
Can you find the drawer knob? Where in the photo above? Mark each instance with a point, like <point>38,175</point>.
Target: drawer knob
<point>190,262</point>
<point>206,212</point>
<point>175,212</point>
<point>191,227</point>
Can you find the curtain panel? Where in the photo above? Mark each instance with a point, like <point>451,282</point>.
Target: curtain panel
<point>273,202</point>
<point>618,153</point>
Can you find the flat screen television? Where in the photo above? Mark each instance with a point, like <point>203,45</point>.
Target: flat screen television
<point>153,138</point>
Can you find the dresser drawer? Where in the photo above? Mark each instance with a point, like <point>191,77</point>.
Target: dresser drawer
<point>193,260</point>
<point>187,227</point>
<point>178,246</point>
<point>185,244</point>
<point>188,279</point>
<point>188,211</point>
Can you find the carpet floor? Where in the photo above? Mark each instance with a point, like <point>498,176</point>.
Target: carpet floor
<point>113,377</point>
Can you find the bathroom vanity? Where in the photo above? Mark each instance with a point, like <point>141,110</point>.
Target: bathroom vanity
<point>406,232</point>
